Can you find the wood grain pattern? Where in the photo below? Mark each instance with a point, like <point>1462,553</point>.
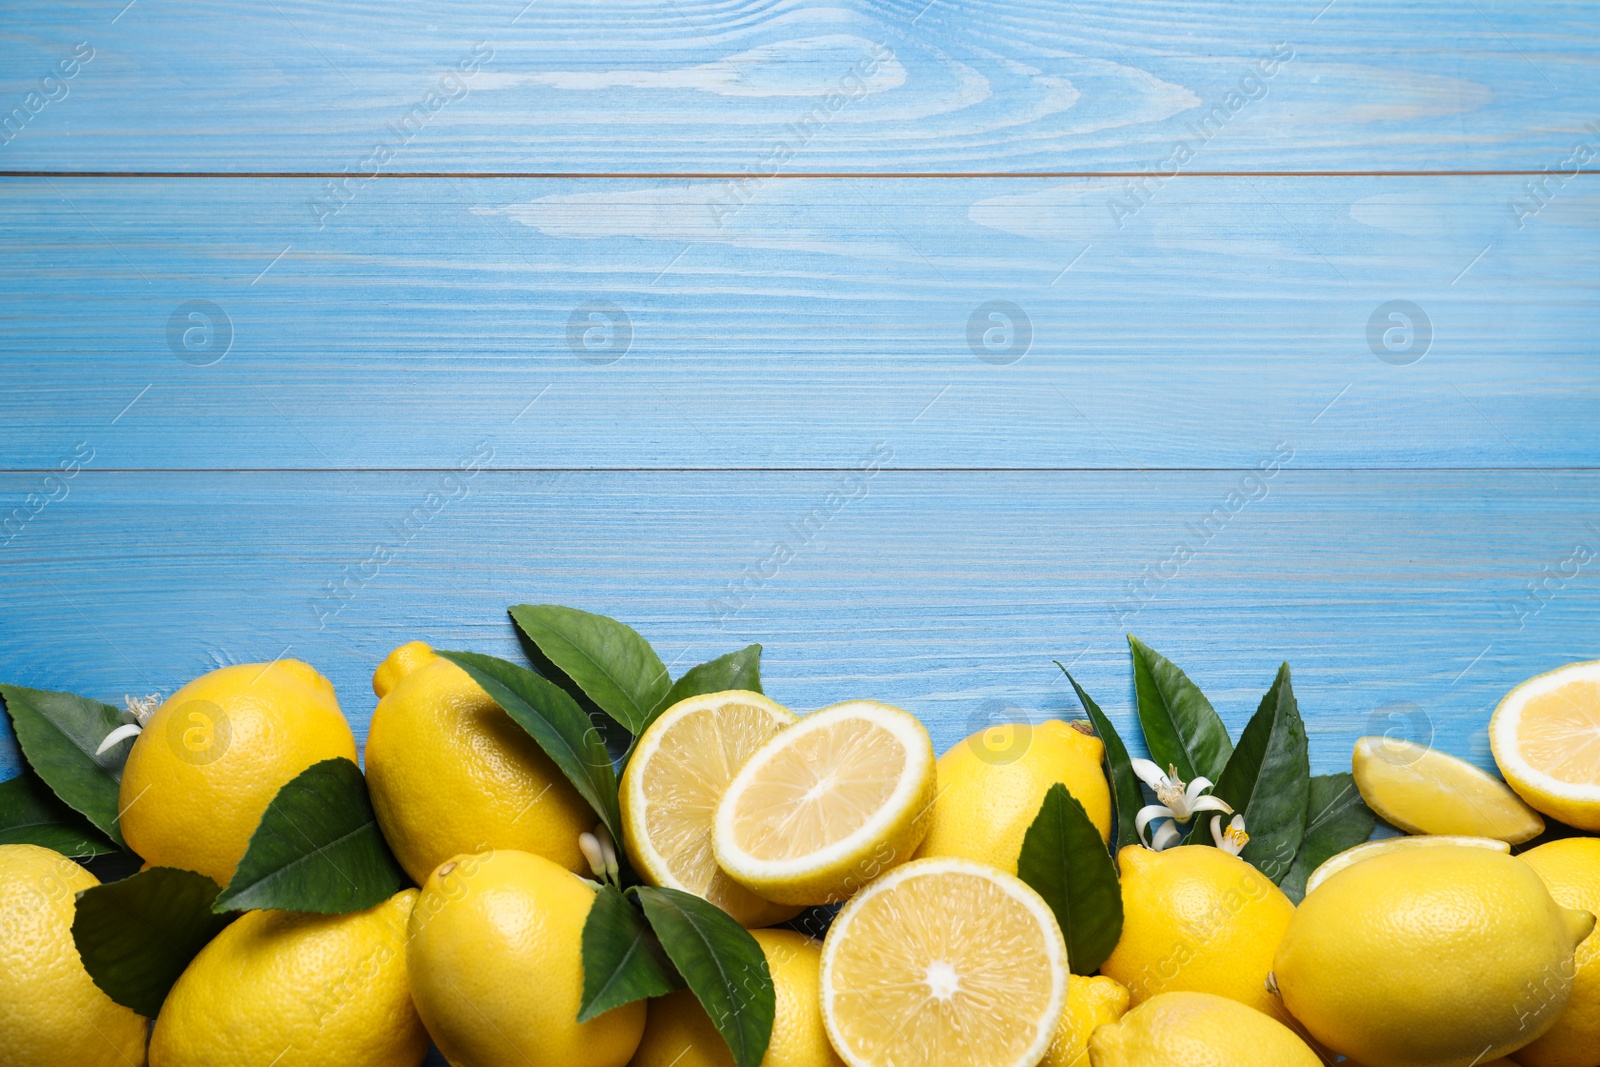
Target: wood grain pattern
<point>859,86</point>
<point>1399,598</point>
<point>1222,316</point>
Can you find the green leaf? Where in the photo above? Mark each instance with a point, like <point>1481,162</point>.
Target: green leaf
<point>1065,861</point>
<point>32,815</point>
<point>136,936</point>
<point>736,670</point>
<point>606,660</point>
<point>1181,729</point>
<point>1125,791</point>
<point>59,733</point>
<point>623,961</point>
<point>1267,781</point>
<point>557,723</point>
<point>317,848</point>
<point>721,963</point>
<point>1337,819</point>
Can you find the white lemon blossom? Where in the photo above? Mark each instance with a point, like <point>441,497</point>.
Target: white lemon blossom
<point>137,714</point>
<point>1233,839</point>
<point>1178,803</point>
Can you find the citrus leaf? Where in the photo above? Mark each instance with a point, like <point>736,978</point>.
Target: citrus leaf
<point>1067,864</point>
<point>721,963</point>
<point>1125,789</point>
<point>605,660</point>
<point>317,848</point>
<point>622,959</point>
<point>1336,819</point>
<point>557,723</point>
<point>32,815</point>
<point>736,670</point>
<point>59,733</point>
<point>1181,728</point>
<point>1267,781</point>
<point>136,936</point>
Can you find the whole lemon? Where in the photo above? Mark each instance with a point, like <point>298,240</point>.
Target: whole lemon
<point>214,755</point>
<point>1091,1004</point>
<point>451,773</point>
<point>992,783</point>
<point>496,955</point>
<point>1197,919</point>
<point>1437,957</point>
<point>1198,1030</point>
<point>297,990</point>
<point>1570,869</point>
<point>51,1012</point>
<point>679,1032</point>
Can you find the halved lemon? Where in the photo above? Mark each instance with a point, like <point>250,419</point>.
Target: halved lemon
<point>1352,856</point>
<point>1423,791</point>
<point>679,771</point>
<point>944,962</point>
<point>828,804</point>
<point>1546,738</point>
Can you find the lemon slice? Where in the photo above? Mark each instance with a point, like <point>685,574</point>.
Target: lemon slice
<point>828,804</point>
<point>1424,791</point>
<point>1352,856</point>
<point>1546,738</point>
<point>683,763</point>
<point>944,962</point>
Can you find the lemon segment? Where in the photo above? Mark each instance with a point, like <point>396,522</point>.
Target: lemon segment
<point>828,804</point>
<point>678,773</point>
<point>944,961</point>
<point>1546,738</point>
<point>1423,791</point>
<point>1352,856</point>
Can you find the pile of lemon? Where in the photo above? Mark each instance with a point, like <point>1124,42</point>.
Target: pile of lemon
<point>1434,950</point>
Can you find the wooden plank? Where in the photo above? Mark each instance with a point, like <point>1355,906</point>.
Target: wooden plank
<point>672,86</point>
<point>1219,318</point>
<point>1400,598</point>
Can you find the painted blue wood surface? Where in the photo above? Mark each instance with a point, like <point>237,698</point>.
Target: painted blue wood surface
<point>1399,598</point>
<point>800,328</point>
<point>644,86</point>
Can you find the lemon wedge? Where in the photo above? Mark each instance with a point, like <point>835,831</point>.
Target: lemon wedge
<point>944,961</point>
<point>1424,791</point>
<point>1546,738</point>
<point>679,771</point>
<point>1352,856</point>
<point>828,804</point>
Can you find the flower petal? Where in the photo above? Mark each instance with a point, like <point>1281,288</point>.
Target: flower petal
<point>1211,803</point>
<point>1166,837</point>
<point>1148,772</point>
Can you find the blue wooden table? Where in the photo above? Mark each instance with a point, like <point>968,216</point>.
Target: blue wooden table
<point>922,341</point>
